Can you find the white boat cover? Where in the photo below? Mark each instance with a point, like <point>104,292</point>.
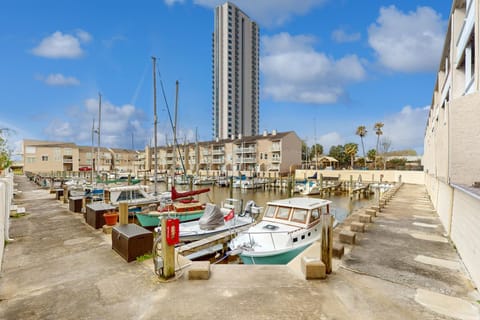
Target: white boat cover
<point>211,218</point>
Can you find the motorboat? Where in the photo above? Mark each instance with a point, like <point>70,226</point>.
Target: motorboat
<point>287,227</point>
<point>180,205</point>
<point>216,219</point>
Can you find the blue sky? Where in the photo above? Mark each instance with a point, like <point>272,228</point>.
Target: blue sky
<point>327,66</point>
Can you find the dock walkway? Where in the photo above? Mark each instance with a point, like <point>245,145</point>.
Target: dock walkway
<point>402,267</point>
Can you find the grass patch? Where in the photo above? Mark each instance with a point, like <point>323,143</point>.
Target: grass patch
<point>146,256</point>
<point>18,215</point>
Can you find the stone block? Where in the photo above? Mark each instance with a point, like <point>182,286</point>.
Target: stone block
<point>313,268</point>
<point>365,218</point>
<point>347,236</point>
<point>371,212</point>
<point>376,208</point>
<point>357,227</point>
<point>338,250</point>
<point>199,270</point>
<point>107,229</point>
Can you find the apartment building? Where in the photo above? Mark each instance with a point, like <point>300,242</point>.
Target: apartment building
<point>235,80</point>
<point>47,156</point>
<point>451,152</point>
<point>268,152</point>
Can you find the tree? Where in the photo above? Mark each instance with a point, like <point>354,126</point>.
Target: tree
<point>338,152</point>
<point>385,143</point>
<point>5,153</point>
<point>351,150</point>
<point>362,132</point>
<point>304,152</point>
<point>372,155</point>
<point>315,152</point>
<point>378,131</point>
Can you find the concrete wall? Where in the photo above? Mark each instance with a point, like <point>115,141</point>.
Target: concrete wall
<point>414,177</point>
<point>459,212</point>
<point>6,195</point>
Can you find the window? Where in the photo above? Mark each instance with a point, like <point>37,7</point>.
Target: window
<point>283,213</point>
<point>299,215</point>
<point>314,216</point>
<point>30,150</point>
<point>57,154</point>
<point>270,212</point>
<point>44,158</point>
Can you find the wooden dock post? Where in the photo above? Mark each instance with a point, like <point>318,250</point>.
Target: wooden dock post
<point>168,254</point>
<point>123,213</point>
<point>321,184</point>
<point>327,242</point>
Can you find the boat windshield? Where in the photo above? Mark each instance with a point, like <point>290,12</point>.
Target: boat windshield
<point>270,211</point>
<point>314,216</point>
<point>283,213</point>
<point>299,215</point>
<point>130,195</point>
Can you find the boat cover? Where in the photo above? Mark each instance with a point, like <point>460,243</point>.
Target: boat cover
<point>211,218</point>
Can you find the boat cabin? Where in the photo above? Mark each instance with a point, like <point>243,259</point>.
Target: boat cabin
<point>298,212</point>
<point>130,194</point>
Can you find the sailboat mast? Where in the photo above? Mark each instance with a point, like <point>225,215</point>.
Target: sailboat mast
<point>155,126</point>
<point>93,151</point>
<point>98,131</point>
<point>175,132</point>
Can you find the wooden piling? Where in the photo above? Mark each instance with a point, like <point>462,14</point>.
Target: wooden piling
<point>123,213</point>
<point>327,242</point>
<point>168,254</point>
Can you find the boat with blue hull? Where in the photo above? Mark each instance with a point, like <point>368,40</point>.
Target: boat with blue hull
<point>288,227</point>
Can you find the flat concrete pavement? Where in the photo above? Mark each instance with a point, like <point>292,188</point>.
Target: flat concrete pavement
<point>402,267</point>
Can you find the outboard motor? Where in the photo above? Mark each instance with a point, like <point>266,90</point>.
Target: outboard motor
<point>248,208</point>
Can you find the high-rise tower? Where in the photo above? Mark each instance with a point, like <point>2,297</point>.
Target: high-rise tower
<point>235,80</point>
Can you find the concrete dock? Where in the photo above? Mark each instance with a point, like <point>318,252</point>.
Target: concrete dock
<point>401,267</point>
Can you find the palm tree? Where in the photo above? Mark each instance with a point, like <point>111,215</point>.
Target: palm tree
<point>351,150</point>
<point>378,131</point>
<point>362,132</point>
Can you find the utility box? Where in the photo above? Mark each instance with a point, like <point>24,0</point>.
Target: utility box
<point>131,241</point>
<point>75,204</point>
<point>94,214</point>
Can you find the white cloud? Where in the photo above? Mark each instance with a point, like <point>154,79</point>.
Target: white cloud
<point>269,12</point>
<point>84,36</point>
<point>59,45</point>
<point>59,79</point>
<point>118,123</point>
<point>172,2</point>
<point>294,71</point>
<point>341,36</point>
<point>406,129</point>
<point>330,139</point>
<point>408,42</point>
<point>59,130</point>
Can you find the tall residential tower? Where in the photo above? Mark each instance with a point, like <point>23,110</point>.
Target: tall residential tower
<point>235,80</point>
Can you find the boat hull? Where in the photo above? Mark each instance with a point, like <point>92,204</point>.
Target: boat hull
<point>280,258</point>
<point>147,220</point>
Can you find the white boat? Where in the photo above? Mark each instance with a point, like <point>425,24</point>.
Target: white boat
<point>311,188</point>
<point>133,195</point>
<point>214,220</point>
<point>288,226</point>
<point>204,181</point>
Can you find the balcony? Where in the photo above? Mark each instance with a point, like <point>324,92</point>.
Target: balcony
<point>466,31</point>
<point>275,160</point>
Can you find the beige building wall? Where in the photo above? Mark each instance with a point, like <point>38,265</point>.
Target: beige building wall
<point>46,156</point>
<point>291,151</point>
<point>452,147</point>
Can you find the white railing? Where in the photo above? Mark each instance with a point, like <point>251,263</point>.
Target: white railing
<point>466,30</point>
